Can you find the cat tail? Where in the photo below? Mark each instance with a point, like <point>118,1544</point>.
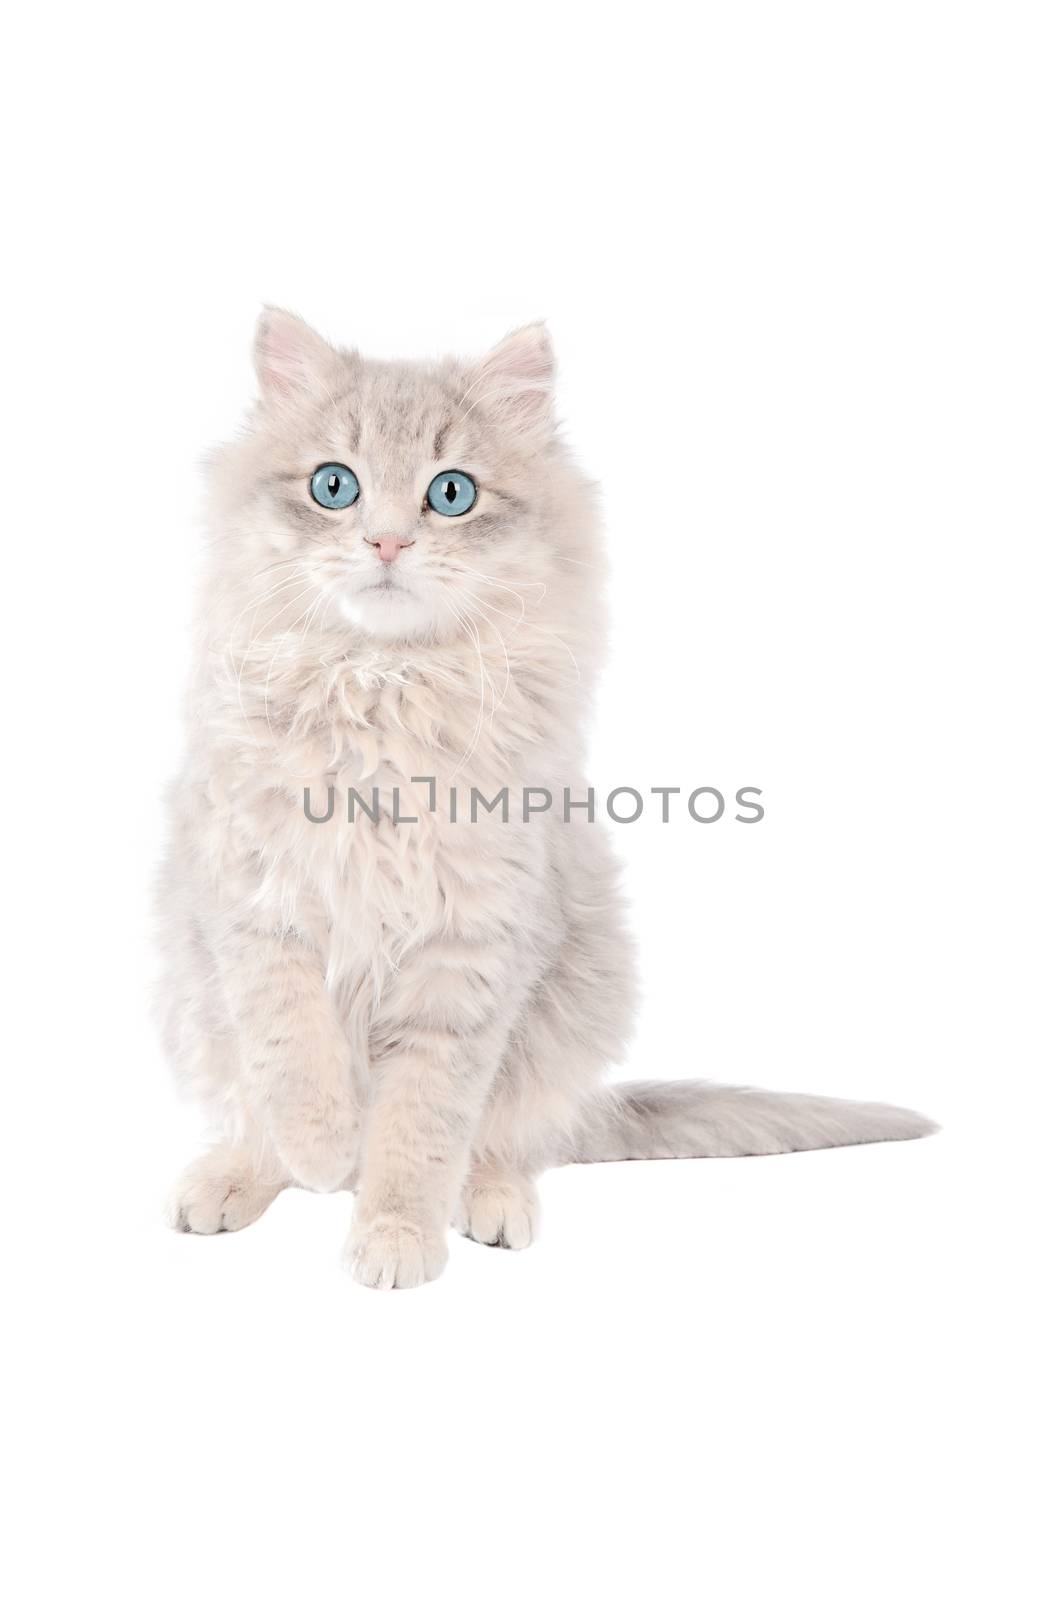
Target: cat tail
<point>676,1121</point>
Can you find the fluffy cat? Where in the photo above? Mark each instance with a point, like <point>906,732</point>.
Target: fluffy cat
<point>420,1010</point>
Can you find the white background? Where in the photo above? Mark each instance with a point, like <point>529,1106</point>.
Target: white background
<point>801,266</point>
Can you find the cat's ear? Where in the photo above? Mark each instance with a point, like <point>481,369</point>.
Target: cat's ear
<point>517,379</point>
<point>290,359</point>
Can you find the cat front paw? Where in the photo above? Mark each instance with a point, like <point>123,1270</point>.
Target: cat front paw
<point>390,1254</point>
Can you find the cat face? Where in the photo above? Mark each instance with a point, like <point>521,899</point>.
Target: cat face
<point>404,494</point>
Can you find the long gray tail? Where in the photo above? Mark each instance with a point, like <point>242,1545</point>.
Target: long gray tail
<point>674,1121</point>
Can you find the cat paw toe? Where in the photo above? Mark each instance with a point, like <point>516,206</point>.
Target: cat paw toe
<point>394,1255</point>
<point>219,1193</point>
<point>504,1214</point>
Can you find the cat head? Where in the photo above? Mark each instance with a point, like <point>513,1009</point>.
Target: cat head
<point>404,495</point>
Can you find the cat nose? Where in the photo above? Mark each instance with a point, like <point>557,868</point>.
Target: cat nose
<point>388,546</point>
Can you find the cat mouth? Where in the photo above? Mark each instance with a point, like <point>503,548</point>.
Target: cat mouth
<point>384,585</point>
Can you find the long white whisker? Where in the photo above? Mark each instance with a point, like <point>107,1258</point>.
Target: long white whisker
<point>462,623</point>
<point>304,590</point>
<point>508,583</point>
<point>504,650</point>
<point>308,613</point>
<point>259,600</point>
<point>535,627</point>
<point>286,561</point>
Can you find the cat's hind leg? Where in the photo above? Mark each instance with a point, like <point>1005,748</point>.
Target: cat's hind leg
<point>498,1207</point>
<point>224,1190</point>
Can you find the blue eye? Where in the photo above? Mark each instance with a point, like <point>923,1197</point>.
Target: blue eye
<point>452,493</point>
<point>334,486</point>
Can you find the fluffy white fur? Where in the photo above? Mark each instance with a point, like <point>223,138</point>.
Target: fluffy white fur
<point>422,1012</point>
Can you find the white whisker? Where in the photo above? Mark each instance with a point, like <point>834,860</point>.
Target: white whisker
<point>472,634</point>
<point>284,638</point>
<point>504,650</point>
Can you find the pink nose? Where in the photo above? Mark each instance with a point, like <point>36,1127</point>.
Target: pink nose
<point>387,546</point>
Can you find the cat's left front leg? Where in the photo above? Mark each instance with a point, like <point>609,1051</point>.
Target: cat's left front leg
<point>427,1099</point>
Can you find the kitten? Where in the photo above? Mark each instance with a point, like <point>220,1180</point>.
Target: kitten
<point>404,584</point>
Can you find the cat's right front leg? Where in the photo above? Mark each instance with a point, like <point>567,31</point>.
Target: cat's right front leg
<point>296,1058</point>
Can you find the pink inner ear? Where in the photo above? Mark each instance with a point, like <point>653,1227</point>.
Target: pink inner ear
<point>517,375</point>
<point>290,356</point>
<point>525,357</point>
